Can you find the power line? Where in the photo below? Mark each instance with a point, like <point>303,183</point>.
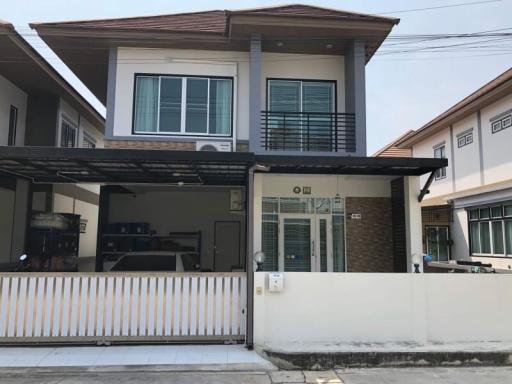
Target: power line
<point>439,7</point>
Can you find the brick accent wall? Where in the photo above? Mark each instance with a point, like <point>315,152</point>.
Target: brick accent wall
<point>155,144</point>
<point>369,239</point>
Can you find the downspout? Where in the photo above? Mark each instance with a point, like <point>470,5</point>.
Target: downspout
<point>249,262</point>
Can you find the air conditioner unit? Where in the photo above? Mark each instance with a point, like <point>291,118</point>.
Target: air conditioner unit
<point>214,146</point>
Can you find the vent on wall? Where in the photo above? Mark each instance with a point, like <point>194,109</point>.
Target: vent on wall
<point>213,146</point>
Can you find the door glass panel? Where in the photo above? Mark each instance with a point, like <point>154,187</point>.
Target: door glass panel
<point>297,245</point>
<point>338,243</point>
<point>296,205</point>
<point>197,105</point>
<point>443,245</point>
<point>497,237</point>
<point>170,105</point>
<point>475,238</point>
<point>284,96</point>
<point>317,97</point>
<point>432,248</point>
<point>323,244</point>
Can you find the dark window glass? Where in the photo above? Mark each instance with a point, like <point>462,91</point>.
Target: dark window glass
<point>13,123</point>
<point>170,105</point>
<point>197,106</point>
<point>67,135</point>
<point>497,237</point>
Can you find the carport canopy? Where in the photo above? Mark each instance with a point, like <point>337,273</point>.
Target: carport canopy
<point>134,166</point>
<point>125,166</point>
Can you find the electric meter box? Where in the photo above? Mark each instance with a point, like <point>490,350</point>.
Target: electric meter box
<point>275,282</point>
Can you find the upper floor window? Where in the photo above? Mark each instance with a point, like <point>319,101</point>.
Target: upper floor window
<point>13,123</point>
<point>490,230</point>
<point>180,105</point>
<point>440,153</point>
<point>501,123</point>
<point>465,138</point>
<point>301,96</point>
<point>68,134</point>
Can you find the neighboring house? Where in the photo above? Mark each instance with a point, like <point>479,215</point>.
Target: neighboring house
<point>38,107</point>
<point>228,134</point>
<point>468,213</point>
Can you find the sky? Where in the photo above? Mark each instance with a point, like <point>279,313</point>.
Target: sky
<point>404,91</point>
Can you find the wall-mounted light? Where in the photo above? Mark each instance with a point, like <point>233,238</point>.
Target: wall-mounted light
<point>259,258</point>
<point>328,46</point>
<point>280,44</point>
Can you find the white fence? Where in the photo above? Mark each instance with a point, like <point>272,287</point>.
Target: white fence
<point>122,307</point>
<point>344,308</point>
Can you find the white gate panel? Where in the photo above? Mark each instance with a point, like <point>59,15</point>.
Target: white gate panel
<point>121,307</point>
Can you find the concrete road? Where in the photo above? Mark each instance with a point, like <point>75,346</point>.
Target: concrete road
<point>498,375</point>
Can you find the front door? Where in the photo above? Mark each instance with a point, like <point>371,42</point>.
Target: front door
<point>305,243</point>
<point>438,242</point>
<point>227,246</point>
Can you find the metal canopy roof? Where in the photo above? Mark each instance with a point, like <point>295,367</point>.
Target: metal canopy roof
<point>135,166</point>
<point>392,166</point>
<point>122,166</point>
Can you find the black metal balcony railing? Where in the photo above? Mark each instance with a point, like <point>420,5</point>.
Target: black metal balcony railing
<point>308,131</point>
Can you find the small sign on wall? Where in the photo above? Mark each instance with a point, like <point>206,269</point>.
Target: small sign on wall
<point>355,216</point>
<point>83,225</point>
<point>304,190</point>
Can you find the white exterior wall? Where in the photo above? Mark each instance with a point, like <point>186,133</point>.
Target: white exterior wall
<point>10,94</point>
<point>131,61</point>
<point>466,159</point>
<point>426,149</point>
<point>497,154</point>
<point>405,308</point>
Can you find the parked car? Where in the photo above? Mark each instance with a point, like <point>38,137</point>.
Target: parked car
<point>155,261</point>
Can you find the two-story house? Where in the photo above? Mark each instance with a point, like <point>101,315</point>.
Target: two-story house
<point>229,135</point>
<point>468,213</point>
<point>38,107</point>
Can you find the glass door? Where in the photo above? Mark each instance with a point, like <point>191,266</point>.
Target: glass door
<point>438,242</point>
<point>305,243</point>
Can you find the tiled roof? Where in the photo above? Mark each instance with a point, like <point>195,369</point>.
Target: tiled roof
<point>391,150</point>
<point>211,21</point>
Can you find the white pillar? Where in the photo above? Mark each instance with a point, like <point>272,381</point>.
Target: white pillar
<point>413,229</point>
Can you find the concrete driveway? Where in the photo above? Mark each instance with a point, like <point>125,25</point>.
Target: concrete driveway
<point>501,375</point>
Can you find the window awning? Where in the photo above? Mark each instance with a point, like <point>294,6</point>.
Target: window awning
<point>135,166</point>
<point>125,166</point>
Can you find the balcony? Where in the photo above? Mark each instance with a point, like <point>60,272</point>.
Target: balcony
<point>308,131</point>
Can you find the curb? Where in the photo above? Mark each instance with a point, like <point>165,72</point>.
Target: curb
<point>337,360</point>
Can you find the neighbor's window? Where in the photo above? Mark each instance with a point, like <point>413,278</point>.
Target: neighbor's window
<point>490,230</point>
<point>68,134</point>
<point>440,153</point>
<point>183,105</point>
<point>13,123</point>
<point>501,123</point>
<point>465,138</point>
<point>88,141</point>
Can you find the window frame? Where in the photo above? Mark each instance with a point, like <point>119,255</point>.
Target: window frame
<point>182,132</point>
<point>13,126</point>
<point>498,122</point>
<point>301,81</point>
<point>73,126</point>
<point>465,138</point>
<point>441,172</point>
<point>88,138</point>
<point>489,222</point>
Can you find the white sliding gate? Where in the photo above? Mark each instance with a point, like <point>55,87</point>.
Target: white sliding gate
<point>97,307</point>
